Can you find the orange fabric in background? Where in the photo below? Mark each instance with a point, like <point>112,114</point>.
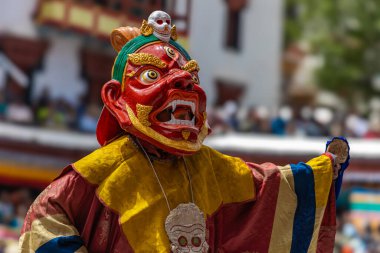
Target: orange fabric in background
<point>17,174</point>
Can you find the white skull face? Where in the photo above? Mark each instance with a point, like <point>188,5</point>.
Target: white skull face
<point>161,23</point>
<point>188,239</point>
<point>186,229</point>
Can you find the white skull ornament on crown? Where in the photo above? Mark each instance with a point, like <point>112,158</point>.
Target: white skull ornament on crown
<point>161,23</point>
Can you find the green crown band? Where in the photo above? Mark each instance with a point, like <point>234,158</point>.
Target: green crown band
<point>131,47</point>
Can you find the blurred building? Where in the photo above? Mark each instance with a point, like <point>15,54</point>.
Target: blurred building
<point>238,46</point>
<point>55,56</point>
<point>62,46</point>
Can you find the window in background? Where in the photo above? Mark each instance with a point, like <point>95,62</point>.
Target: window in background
<point>233,36</point>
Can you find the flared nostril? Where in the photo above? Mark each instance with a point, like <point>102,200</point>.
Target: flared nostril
<point>181,80</point>
<point>190,86</point>
<point>184,85</point>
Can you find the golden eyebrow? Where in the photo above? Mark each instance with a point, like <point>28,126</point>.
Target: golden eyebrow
<point>191,66</point>
<point>144,58</point>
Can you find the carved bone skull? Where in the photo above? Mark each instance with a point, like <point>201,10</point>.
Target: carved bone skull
<point>188,239</point>
<point>186,229</point>
<point>161,23</point>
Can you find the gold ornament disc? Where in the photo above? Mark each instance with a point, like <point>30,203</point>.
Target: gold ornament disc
<point>340,149</point>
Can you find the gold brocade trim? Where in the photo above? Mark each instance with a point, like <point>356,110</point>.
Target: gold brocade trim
<point>191,66</point>
<point>144,58</point>
<point>180,145</point>
<point>173,33</point>
<point>146,29</point>
<point>143,114</point>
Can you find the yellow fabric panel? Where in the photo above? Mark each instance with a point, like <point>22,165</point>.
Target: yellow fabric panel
<point>44,229</point>
<point>127,185</point>
<point>231,173</point>
<point>102,162</point>
<point>323,174</point>
<point>323,178</point>
<point>281,239</point>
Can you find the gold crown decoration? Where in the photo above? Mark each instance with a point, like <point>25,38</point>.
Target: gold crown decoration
<point>173,33</point>
<point>146,29</point>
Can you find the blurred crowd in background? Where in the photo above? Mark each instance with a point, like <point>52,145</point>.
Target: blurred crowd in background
<point>349,239</point>
<point>228,117</point>
<point>50,113</point>
<point>304,121</point>
<point>14,204</point>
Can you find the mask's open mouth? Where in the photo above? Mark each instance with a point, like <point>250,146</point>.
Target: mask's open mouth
<point>178,112</point>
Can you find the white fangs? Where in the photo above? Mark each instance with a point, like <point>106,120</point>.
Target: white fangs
<point>173,120</point>
<point>174,104</point>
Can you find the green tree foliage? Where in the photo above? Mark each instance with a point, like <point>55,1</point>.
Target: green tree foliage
<point>346,33</point>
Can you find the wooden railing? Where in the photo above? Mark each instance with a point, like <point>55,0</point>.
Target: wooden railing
<point>100,18</point>
<point>85,17</point>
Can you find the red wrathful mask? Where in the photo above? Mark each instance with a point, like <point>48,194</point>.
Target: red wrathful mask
<point>154,95</point>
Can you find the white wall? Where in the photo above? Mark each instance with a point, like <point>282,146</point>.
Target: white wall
<point>256,65</point>
<point>61,72</point>
<point>16,17</point>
